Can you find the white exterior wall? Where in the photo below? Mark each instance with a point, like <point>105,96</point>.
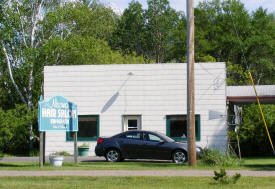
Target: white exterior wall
<point>152,91</point>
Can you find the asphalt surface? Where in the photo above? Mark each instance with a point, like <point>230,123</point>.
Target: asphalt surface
<point>193,173</point>
<point>66,159</point>
<point>189,173</point>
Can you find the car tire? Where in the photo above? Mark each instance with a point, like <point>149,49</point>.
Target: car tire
<point>179,156</point>
<point>112,155</point>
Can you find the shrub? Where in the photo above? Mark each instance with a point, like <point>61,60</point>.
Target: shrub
<point>221,177</point>
<point>62,153</point>
<point>84,145</point>
<point>213,157</point>
<point>14,129</point>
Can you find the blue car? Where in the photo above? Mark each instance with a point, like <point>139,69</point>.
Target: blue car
<point>138,144</point>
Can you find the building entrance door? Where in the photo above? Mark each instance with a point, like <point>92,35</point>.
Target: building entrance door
<point>132,122</point>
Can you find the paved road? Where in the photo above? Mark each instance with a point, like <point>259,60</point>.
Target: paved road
<point>193,173</point>
<point>66,159</point>
<point>71,159</point>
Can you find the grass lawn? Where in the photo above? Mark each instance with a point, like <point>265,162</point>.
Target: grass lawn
<point>259,163</point>
<point>267,163</point>
<point>132,182</point>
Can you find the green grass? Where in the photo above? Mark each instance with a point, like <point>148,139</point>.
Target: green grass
<point>95,166</point>
<point>259,163</point>
<point>267,163</point>
<point>132,182</point>
<point>6,155</point>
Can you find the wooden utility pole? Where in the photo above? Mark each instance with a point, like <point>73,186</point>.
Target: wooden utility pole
<point>190,85</point>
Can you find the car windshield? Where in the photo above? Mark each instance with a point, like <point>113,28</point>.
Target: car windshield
<point>168,139</point>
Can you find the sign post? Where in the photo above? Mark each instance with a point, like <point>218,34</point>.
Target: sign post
<point>75,149</point>
<point>57,115</point>
<point>41,147</point>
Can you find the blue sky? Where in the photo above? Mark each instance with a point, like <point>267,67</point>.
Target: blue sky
<point>180,5</point>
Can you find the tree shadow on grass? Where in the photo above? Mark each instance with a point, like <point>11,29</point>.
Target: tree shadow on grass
<point>139,163</point>
<point>260,167</point>
<point>14,165</point>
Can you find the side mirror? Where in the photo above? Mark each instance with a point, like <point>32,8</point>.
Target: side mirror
<point>161,141</point>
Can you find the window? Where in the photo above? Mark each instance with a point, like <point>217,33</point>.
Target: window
<point>151,137</point>
<point>132,122</point>
<point>176,127</point>
<point>133,135</point>
<point>88,128</point>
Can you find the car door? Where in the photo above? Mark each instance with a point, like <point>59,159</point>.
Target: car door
<point>131,144</point>
<point>155,147</point>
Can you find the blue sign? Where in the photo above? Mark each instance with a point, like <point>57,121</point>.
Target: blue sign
<point>57,114</point>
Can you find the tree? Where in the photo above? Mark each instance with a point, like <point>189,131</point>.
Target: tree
<point>177,46</point>
<point>160,20</point>
<point>130,32</point>
<point>43,32</point>
<point>261,47</point>
<point>225,31</point>
<point>76,42</point>
<point>19,39</point>
<point>253,137</point>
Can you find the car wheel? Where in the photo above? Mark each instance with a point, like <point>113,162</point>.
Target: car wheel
<point>179,156</point>
<point>112,155</point>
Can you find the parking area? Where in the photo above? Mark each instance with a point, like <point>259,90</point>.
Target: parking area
<point>71,159</point>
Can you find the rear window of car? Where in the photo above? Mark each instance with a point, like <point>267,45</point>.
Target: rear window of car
<point>132,135</point>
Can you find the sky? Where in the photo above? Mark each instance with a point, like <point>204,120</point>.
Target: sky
<point>180,5</point>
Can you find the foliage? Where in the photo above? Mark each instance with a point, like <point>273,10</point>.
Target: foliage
<point>146,32</point>
<point>252,132</point>
<point>214,157</point>
<point>61,153</point>
<point>34,152</point>
<point>222,178</point>
<point>84,145</point>
<point>226,31</point>
<point>129,35</point>
<point>13,129</point>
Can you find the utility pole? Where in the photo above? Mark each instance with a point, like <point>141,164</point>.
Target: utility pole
<point>190,85</point>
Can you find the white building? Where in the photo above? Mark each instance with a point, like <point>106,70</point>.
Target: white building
<point>116,98</point>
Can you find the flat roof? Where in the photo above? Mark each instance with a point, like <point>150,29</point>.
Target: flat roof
<point>246,94</point>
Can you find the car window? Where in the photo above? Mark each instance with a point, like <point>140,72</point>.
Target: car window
<point>152,137</point>
<point>134,135</point>
<point>168,139</point>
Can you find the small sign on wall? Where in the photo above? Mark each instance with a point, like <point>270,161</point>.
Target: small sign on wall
<point>57,114</point>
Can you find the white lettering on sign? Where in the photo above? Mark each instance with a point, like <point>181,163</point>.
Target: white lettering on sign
<point>57,104</point>
<point>61,113</point>
<point>59,127</point>
<point>48,112</point>
<point>66,113</point>
<point>59,121</point>
<point>74,114</point>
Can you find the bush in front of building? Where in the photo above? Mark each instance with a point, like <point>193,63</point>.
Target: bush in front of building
<point>14,129</point>
<point>214,157</point>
